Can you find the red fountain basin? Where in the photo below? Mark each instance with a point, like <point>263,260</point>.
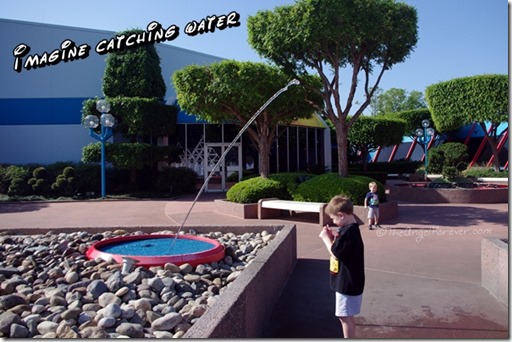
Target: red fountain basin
<point>211,250</point>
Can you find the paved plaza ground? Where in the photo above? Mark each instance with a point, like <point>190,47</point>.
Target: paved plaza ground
<point>423,269</point>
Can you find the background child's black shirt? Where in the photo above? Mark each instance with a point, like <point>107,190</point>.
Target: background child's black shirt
<point>348,248</point>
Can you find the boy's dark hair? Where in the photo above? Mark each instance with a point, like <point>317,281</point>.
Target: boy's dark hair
<point>338,204</point>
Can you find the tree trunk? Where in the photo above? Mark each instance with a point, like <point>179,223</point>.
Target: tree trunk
<point>342,143</point>
<point>264,153</point>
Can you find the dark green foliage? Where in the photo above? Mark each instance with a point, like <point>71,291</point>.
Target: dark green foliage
<point>9,173</point>
<point>412,119</point>
<point>323,187</point>
<point>66,183</point>
<point>450,154</point>
<point>18,187</point>
<point>235,91</point>
<point>254,189</point>
<point>177,180</point>
<point>450,172</point>
<point>134,72</point>
<point>291,180</point>
<point>137,116</point>
<point>40,173</point>
<point>477,172</point>
<point>466,100</point>
<point>368,133</point>
<point>40,181</point>
<point>334,39</point>
<point>130,155</point>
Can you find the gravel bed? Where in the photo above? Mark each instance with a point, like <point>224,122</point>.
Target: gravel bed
<point>49,289</point>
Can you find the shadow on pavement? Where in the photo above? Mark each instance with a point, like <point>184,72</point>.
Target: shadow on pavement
<point>447,215</point>
<point>305,309</point>
<point>12,207</point>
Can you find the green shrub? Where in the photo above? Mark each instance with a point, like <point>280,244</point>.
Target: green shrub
<point>9,173</point>
<point>477,172</point>
<point>450,172</point>
<point>380,176</point>
<point>323,187</point>
<point>254,189</point>
<point>291,180</point>
<point>18,187</point>
<point>177,180</point>
<point>451,154</point>
<point>66,183</point>
<point>40,173</point>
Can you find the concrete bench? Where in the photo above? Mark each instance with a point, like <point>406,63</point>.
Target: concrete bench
<point>271,207</point>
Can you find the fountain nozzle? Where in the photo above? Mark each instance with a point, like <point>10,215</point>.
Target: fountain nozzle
<point>128,263</point>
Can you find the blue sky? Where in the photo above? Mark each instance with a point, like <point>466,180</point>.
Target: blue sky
<point>456,38</point>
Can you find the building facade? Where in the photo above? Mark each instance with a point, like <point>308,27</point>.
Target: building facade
<point>41,102</point>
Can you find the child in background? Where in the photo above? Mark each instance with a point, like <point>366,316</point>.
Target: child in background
<point>371,201</point>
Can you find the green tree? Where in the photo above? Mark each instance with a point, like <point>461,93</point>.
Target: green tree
<point>328,36</point>
<point>396,100</point>
<point>461,101</point>
<point>368,133</point>
<point>135,88</point>
<point>134,72</point>
<point>412,119</point>
<point>234,91</point>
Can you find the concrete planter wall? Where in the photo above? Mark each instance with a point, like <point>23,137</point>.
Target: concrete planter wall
<point>240,210</point>
<point>432,195</point>
<point>244,308</point>
<point>495,268</point>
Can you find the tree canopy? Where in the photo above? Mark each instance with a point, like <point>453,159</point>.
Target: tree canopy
<point>368,133</point>
<point>135,88</point>
<point>234,91</point>
<point>326,36</point>
<point>396,100</point>
<point>134,72</point>
<point>412,119</point>
<point>460,101</point>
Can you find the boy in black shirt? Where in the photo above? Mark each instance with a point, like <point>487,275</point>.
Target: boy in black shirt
<point>346,262</point>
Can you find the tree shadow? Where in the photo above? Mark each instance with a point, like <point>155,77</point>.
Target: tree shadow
<point>20,207</point>
<point>306,307</point>
<point>448,215</point>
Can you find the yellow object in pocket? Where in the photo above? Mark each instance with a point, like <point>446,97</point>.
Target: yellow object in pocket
<point>334,265</point>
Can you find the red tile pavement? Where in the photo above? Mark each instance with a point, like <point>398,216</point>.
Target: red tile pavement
<point>422,269</point>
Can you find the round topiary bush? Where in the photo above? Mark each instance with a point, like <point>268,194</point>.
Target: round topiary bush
<point>40,173</point>
<point>324,187</point>
<point>254,189</point>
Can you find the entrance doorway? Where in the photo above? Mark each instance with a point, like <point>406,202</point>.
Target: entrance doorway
<point>228,172</point>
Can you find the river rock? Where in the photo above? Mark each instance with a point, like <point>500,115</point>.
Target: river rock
<point>166,322</point>
<point>49,289</point>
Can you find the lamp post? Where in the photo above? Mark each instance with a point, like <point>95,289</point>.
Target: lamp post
<point>424,135</point>
<point>107,121</point>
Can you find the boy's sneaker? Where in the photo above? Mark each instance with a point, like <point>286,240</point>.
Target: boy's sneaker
<point>370,227</point>
<point>377,226</point>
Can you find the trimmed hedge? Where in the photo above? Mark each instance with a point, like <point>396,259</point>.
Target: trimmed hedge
<point>324,187</point>
<point>254,189</point>
<point>291,180</point>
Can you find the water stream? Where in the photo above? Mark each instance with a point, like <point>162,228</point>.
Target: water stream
<point>244,128</point>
